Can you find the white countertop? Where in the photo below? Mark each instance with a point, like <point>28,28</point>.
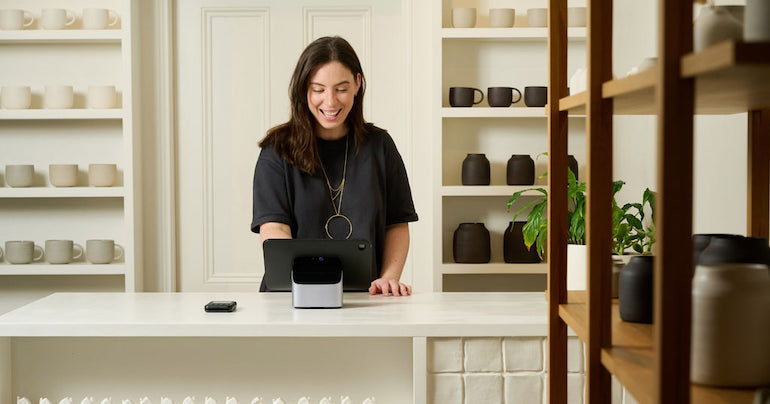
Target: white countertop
<point>271,315</point>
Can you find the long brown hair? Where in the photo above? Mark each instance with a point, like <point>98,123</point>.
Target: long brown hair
<point>295,140</point>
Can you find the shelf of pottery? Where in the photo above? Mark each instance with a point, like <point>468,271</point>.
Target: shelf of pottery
<point>492,130</point>
<point>67,139</point>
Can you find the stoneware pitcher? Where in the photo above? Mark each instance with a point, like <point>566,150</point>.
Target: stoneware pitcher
<point>731,325</point>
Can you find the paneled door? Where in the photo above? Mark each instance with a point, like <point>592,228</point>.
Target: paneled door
<point>234,62</point>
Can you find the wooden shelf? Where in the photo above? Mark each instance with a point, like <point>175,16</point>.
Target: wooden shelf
<point>63,192</point>
<point>492,112</point>
<point>488,190</point>
<point>515,33</point>
<point>493,268</point>
<point>20,114</point>
<point>575,104</point>
<point>63,269</point>
<point>730,78</point>
<point>61,36</point>
<point>630,358</point>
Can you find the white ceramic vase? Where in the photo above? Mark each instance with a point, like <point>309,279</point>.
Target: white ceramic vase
<point>713,25</point>
<point>577,267</point>
<point>757,21</point>
<point>731,325</point>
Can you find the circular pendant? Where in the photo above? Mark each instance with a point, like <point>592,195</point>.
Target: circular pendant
<point>338,223</point>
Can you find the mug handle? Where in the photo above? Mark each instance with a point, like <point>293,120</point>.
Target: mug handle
<point>113,19</point>
<point>38,253</point>
<point>120,251</point>
<point>31,20</point>
<point>70,18</point>
<point>78,249</point>
<point>517,92</point>
<point>474,96</point>
<point>1,253</point>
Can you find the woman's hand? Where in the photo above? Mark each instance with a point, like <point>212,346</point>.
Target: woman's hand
<point>388,287</point>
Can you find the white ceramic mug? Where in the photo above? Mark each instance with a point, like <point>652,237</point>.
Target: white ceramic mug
<point>12,19</point>
<point>102,175</point>
<point>502,17</point>
<point>62,251</point>
<point>463,17</point>
<point>99,18</point>
<point>756,21</point>
<point>15,97</point>
<point>63,175</point>
<point>576,16</point>
<point>101,97</point>
<point>103,251</point>
<point>19,175</point>
<point>58,97</point>
<point>56,18</point>
<point>537,17</point>
<point>22,252</point>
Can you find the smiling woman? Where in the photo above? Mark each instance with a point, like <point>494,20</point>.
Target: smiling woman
<point>326,173</point>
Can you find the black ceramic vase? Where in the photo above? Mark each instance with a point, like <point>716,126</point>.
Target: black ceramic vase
<point>475,169</point>
<point>573,165</point>
<point>520,170</point>
<point>735,250</point>
<point>514,249</point>
<point>635,290</point>
<point>471,244</point>
<point>701,241</point>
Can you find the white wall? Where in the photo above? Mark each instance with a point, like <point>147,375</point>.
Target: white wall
<point>719,201</point>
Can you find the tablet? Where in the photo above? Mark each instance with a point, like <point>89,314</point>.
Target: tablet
<point>357,256</point>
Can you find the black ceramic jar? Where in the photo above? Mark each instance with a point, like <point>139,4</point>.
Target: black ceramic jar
<point>520,170</point>
<point>573,165</point>
<point>514,249</point>
<point>471,244</point>
<point>735,250</point>
<point>475,169</point>
<point>701,241</point>
<point>635,290</point>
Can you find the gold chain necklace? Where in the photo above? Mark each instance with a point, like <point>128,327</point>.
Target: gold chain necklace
<point>336,195</point>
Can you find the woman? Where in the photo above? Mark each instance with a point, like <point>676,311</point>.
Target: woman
<point>326,173</point>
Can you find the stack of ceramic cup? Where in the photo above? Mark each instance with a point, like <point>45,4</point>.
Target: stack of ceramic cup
<point>58,96</point>
<point>61,251</point>
<point>62,175</point>
<point>58,18</point>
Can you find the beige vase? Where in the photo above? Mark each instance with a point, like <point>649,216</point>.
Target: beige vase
<point>731,325</point>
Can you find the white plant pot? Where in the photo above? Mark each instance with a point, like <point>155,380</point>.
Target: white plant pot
<point>577,264</point>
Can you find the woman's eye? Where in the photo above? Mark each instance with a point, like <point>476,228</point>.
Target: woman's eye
<point>318,91</point>
<point>342,90</point>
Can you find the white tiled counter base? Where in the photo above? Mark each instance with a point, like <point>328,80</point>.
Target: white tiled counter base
<point>508,370</point>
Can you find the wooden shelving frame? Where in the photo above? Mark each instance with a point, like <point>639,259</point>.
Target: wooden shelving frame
<point>651,361</point>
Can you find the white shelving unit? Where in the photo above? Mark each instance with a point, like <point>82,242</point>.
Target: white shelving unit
<point>79,135</point>
<point>483,57</point>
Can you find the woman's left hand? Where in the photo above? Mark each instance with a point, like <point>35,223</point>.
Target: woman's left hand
<point>388,287</point>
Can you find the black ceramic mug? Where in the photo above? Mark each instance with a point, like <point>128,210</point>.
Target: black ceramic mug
<point>464,96</point>
<point>535,96</point>
<point>502,96</point>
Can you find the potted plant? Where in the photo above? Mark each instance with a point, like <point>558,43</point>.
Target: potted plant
<point>628,228</point>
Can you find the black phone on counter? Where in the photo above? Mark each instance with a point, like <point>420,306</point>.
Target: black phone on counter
<point>220,306</point>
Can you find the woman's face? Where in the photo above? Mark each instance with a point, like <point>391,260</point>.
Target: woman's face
<point>330,96</point>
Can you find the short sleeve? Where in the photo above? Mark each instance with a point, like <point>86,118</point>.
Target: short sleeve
<point>400,206</point>
<point>271,202</point>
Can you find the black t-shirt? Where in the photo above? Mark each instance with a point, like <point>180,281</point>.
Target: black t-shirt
<point>376,192</point>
